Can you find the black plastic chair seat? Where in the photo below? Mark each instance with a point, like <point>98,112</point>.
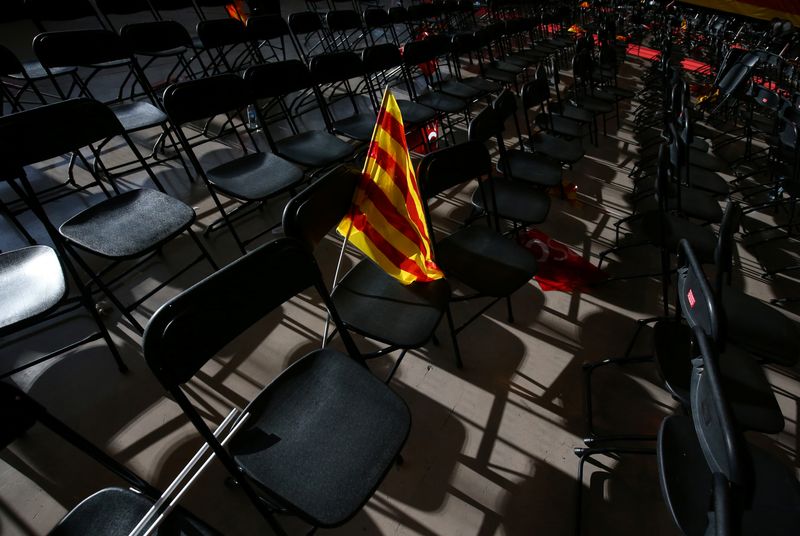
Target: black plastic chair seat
<point>710,181</point>
<point>415,114</point>
<point>483,85</point>
<point>686,485</point>
<point>358,127</point>
<point>566,151</point>
<point>516,201</point>
<point>530,167</point>
<point>442,102</point>
<point>571,111</point>
<point>138,115</point>
<point>618,92</point>
<point>534,55</point>
<point>322,436</point>
<point>561,125</point>
<point>459,90</point>
<point>484,260</point>
<point>36,71</point>
<point>748,392</point>
<point>376,305</point>
<point>116,512</point>
<point>314,148</point>
<point>129,224</point>
<point>500,75</point>
<point>520,60</point>
<point>760,329</point>
<point>31,283</point>
<point>694,204</point>
<point>702,239</point>
<point>509,67</point>
<point>255,176</point>
<point>595,104</point>
<point>706,161</point>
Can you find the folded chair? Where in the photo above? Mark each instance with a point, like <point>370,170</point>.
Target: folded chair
<point>135,224</point>
<point>252,178</point>
<point>369,301</point>
<point>318,440</point>
<point>113,510</point>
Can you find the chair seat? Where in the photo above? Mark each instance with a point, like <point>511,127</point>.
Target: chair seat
<point>594,104</point>
<point>129,224</point>
<point>520,60</point>
<point>255,176</point>
<point>31,283</point>
<point>566,151</point>
<point>487,262</point>
<point>707,161</point>
<point>695,204</point>
<point>619,92</point>
<point>116,511</point>
<point>376,305</point>
<point>314,148</point>
<point>415,114</point>
<point>704,179</point>
<point>358,127</point>
<point>702,239</point>
<point>512,67</point>
<point>531,167</point>
<point>483,85</point>
<point>460,90</point>
<point>138,115</point>
<point>574,112</point>
<point>321,436</point>
<point>746,387</point>
<point>36,71</point>
<point>499,75</point>
<point>760,329</point>
<point>516,201</point>
<point>686,484</point>
<point>563,126</point>
<point>442,102</point>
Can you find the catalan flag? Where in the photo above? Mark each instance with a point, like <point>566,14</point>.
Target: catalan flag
<point>386,220</point>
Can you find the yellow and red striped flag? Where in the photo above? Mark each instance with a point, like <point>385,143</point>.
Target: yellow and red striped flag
<point>387,221</point>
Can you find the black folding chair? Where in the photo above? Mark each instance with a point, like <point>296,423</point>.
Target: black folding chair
<point>319,439</point>
<point>134,224</point>
<point>18,78</point>
<point>46,12</point>
<point>130,11</point>
<point>252,178</point>
<point>369,301</point>
<point>113,510</point>
<point>272,38</point>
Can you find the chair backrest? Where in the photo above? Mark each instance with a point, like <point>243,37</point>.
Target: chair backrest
<point>155,36</point>
<point>9,63</point>
<point>314,212</point>
<point>267,27</point>
<point>13,10</point>
<point>194,326</point>
<point>485,126</point>
<point>722,444</point>
<point>80,47</point>
<point>336,67</point>
<point>340,20</point>
<point>305,22</point>
<point>272,80</point>
<point>376,18</point>
<point>697,303</point>
<point>123,7</point>
<point>380,58</point>
<point>216,33</point>
<point>193,100</point>
<point>53,130</point>
<point>60,10</point>
<point>448,167</point>
<point>535,93</point>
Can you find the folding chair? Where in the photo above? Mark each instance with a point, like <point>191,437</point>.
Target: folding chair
<point>317,440</point>
<point>131,10</point>
<point>369,301</point>
<point>134,224</point>
<point>113,510</point>
<point>45,12</point>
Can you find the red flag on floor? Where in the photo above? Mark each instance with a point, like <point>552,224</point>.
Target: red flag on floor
<point>560,268</point>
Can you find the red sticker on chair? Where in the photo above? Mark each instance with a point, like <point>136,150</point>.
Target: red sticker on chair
<point>690,297</point>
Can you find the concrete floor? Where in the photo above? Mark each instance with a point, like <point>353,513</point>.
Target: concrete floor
<point>490,450</point>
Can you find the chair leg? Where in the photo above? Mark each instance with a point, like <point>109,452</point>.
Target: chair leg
<point>202,249</point>
<point>112,347</point>
<point>454,338</point>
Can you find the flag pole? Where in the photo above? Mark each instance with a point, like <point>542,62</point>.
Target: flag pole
<point>349,230</point>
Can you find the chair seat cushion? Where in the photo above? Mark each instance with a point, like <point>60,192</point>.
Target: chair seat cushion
<point>358,126</point>
<point>31,283</point>
<point>376,305</point>
<point>129,224</point>
<point>749,393</point>
<point>314,148</point>
<point>484,260</point>
<point>531,167</point>
<point>686,484</point>
<point>415,114</point>
<point>459,90</point>
<point>322,436</point>
<point>255,176</point>
<point>116,512</point>
<point>442,102</point>
<point>760,329</point>
<point>516,200</point>
<point>566,151</point>
<point>138,115</point>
